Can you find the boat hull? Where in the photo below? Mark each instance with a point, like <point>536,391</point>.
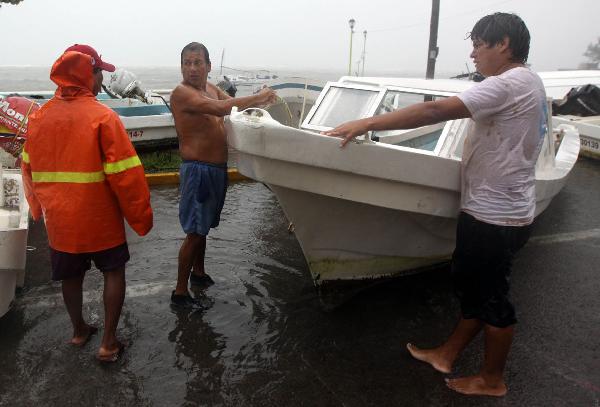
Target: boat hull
<point>339,247</point>
<point>589,133</point>
<point>369,211</point>
<point>147,132</point>
<point>13,247</point>
<point>14,223</point>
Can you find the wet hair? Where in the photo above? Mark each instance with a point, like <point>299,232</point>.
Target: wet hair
<point>492,29</point>
<point>195,46</point>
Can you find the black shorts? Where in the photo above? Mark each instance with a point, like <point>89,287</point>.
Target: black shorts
<point>72,265</point>
<point>481,266</point>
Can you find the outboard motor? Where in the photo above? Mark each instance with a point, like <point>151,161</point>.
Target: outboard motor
<point>125,84</point>
<point>227,86</point>
<point>14,116</point>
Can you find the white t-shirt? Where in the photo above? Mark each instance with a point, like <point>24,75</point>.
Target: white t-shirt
<point>509,122</point>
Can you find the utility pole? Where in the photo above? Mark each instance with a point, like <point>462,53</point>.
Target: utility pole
<point>363,54</point>
<point>222,56</point>
<point>433,50</point>
<point>351,23</point>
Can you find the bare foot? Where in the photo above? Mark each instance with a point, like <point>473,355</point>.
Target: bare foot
<point>430,356</point>
<point>476,385</point>
<point>81,338</point>
<point>110,354</point>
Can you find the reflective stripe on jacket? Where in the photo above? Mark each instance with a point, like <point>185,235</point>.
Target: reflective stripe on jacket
<point>80,169</point>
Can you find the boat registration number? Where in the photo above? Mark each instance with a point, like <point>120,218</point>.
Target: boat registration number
<point>590,144</point>
<point>135,133</point>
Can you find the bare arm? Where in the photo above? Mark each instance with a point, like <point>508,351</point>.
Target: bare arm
<point>420,114</point>
<point>193,102</point>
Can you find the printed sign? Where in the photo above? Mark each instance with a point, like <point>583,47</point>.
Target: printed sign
<point>14,114</point>
<point>133,134</point>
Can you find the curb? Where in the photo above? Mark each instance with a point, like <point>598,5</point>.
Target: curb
<point>169,178</point>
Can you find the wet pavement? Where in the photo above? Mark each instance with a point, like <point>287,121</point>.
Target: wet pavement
<point>263,339</point>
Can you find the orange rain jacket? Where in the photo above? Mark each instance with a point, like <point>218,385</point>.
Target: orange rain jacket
<point>79,167</point>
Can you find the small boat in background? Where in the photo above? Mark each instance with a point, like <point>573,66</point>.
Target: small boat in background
<point>576,97</point>
<point>296,96</point>
<point>589,132</point>
<point>148,124</point>
<point>145,114</point>
<point>559,83</point>
<point>14,224</point>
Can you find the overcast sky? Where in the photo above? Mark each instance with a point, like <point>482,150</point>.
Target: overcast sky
<point>302,35</point>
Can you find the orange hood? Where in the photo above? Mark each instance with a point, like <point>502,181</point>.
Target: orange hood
<point>73,73</point>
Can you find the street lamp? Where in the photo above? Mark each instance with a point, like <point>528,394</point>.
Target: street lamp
<point>351,23</point>
<point>363,53</point>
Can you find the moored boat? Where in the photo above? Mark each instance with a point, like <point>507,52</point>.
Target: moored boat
<point>589,133</point>
<point>148,124</point>
<point>576,97</point>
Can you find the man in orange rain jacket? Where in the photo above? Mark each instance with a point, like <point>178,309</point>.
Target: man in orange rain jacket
<point>82,174</point>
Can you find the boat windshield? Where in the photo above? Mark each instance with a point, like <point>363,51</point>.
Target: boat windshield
<point>342,104</point>
<point>394,100</point>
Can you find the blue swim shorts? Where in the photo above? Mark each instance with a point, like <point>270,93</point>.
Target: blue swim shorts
<point>202,187</point>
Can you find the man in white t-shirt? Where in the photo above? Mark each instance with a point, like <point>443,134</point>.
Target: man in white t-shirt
<point>508,112</point>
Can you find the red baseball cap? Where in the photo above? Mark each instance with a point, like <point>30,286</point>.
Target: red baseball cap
<point>97,61</point>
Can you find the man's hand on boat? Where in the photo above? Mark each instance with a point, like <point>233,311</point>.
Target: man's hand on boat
<point>348,131</point>
<point>268,96</point>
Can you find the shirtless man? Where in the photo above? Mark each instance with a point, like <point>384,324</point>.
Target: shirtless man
<point>198,109</point>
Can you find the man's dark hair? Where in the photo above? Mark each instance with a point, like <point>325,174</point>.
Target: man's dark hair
<point>195,46</point>
<point>492,29</point>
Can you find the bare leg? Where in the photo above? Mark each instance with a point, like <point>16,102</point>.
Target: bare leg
<point>489,381</point>
<point>190,249</point>
<point>199,259</point>
<point>442,358</point>
<point>114,295</point>
<point>73,298</point>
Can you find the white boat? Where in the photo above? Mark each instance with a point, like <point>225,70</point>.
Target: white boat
<point>373,209</point>
<point>14,221</point>
<point>148,125</point>
<point>558,84</point>
<point>589,133</point>
<point>296,96</point>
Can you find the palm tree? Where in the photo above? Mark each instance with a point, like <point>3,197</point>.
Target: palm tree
<point>593,53</point>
